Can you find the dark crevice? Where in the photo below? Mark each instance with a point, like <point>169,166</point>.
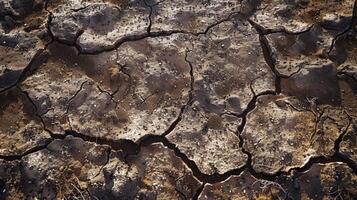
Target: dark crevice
<point>155,3</point>
<point>338,141</point>
<point>267,31</point>
<point>74,96</point>
<point>108,154</point>
<point>40,116</point>
<point>336,38</point>
<point>49,21</point>
<point>40,57</point>
<point>29,99</point>
<point>229,17</point>
<point>28,152</point>
<point>46,4</point>
<point>129,38</point>
<point>336,157</point>
<point>268,54</point>
<point>181,194</point>
<point>150,15</point>
<point>123,69</point>
<point>349,79</point>
<point>206,178</point>
<point>192,80</point>
<point>54,38</point>
<point>79,9</point>
<point>251,105</point>
<point>351,26</point>
<point>101,90</point>
<point>127,146</point>
<point>198,192</point>
<point>189,101</point>
<point>111,95</point>
<point>296,171</point>
<point>317,120</point>
<point>294,73</point>
<point>176,121</point>
<point>354,15</point>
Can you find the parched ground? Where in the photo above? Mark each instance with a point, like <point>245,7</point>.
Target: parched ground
<point>178,99</point>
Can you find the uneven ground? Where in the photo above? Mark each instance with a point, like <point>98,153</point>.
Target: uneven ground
<point>178,99</point>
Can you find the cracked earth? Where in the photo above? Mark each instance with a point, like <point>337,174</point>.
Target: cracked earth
<point>178,99</point>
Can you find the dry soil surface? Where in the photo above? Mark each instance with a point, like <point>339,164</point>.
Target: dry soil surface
<point>178,99</point>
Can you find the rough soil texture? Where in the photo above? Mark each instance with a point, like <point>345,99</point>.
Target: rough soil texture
<point>178,99</point>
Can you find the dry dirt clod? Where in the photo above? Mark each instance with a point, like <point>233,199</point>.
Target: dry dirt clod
<point>282,133</point>
<point>20,127</point>
<point>190,16</point>
<point>94,26</point>
<point>229,67</point>
<point>323,181</point>
<point>243,186</point>
<point>209,140</point>
<point>297,16</point>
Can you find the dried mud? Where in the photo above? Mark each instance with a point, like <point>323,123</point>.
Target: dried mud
<point>178,99</point>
